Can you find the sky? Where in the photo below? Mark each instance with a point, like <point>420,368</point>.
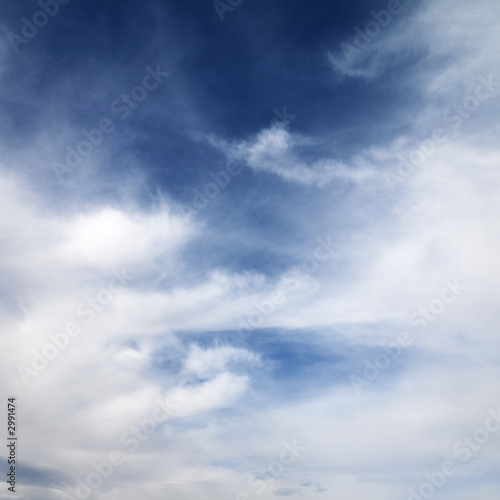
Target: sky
<point>249,249</point>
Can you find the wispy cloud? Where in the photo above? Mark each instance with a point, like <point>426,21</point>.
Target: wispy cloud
<point>276,150</point>
<point>162,382</point>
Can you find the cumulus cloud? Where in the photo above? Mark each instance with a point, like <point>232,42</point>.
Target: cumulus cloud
<point>114,238</point>
<point>151,340</point>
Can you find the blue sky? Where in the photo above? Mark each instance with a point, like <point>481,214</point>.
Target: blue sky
<point>262,234</point>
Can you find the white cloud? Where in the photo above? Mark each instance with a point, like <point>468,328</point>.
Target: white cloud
<point>439,223</point>
<point>218,392</point>
<point>111,237</point>
<point>276,150</point>
<point>206,362</point>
